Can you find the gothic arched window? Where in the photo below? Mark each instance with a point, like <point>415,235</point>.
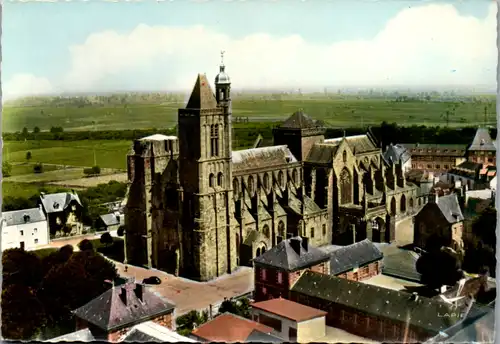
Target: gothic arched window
<point>295,176</point>
<point>250,185</point>
<point>402,205</point>
<point>236,188</point>
<point>265,181</point>
<point>220,179</point>
<point>411,202</point>
<point>393,206</point>
<point>266,231</point>
<point>214,140</point>
<point>211,180</point>
<point>281,229</point>
<point>345,187</point>
<point>344,156</point>
<point>281,178</point>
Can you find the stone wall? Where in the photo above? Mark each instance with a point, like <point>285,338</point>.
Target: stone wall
<point>363,272</point>
<point>165,320</point>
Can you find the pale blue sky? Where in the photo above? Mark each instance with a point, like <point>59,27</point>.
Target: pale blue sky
<point>37,36</point>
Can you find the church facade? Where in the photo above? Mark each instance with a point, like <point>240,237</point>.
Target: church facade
<point>197,209</point>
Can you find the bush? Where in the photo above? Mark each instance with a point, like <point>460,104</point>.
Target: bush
<point>92,171</point>
<point>28,156</point>
<point>96,170</point>
<point>6,169</point>
<point>106,238</point>
<point>187,322</point>
<point>38,168</point>
<point>85,245</point>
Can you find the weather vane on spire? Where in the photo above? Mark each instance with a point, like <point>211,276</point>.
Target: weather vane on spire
<point>222,56</point>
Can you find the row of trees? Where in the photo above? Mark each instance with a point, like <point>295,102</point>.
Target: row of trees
<point>39,293</point>
<point>246,133</point>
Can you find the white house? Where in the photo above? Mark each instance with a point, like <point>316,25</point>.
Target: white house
<point>26,229</point>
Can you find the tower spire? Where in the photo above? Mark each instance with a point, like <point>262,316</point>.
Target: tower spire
<point>222,67</point>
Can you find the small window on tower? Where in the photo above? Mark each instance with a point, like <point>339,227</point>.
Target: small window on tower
<point>312,232</point>
<point>324,230</point>
<point>219,179</point>
<point>211,180</point>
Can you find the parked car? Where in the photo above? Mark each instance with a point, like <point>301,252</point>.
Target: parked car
<point>152,280</point>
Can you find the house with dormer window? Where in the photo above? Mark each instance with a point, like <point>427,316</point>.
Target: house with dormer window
<point>63,211</point>
<point>25,229</point>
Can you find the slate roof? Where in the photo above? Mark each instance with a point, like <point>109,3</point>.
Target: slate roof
<point>113,219</point>
<point>482,141</point>
<point>402,265</point>
<point>264,157</point>
<point>108,311</point>
<point>230,328</point>
<point>283,256</point>
<point>435,149</point>
<point>348,257</point>
<point>377,301</point>
<point>469,165</point>
<point>19,217</point>
<point>300,120</point>
<point>202,96</point>
<point>150,331</point>
<point>322,153</point>
<point>397,153</point>
<point>357,143</point>
<point>450,208</point>
<point>54,203</point>
<point>288,309</point>
<point>79,336</point>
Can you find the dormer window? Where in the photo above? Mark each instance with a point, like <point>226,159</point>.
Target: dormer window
<point>56,205</point>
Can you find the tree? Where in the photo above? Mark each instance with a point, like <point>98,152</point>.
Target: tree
<point>25,132</point>
<point>28,155</point>
<point>38,168</point>
<point>187,322</point>
<point>36,130</point>
<point>74,283</point>
<point>96,170</point>
<point>23,315</point>
<point>86,245</point>
<point>484,226</point>
<point>106,239</point>
<point>439,267</point>
<point>21,267</point>
<point>6,169</point>
<point>239,307</point>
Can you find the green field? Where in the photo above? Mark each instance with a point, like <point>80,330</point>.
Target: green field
<point>25,190</point>
<point>340,111</point>
<point>109,153</point>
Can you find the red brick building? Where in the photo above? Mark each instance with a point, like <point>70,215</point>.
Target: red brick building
<point>355,262</point>
<point>372,312</point>
<point>111,315</point>
<point>277,269</point>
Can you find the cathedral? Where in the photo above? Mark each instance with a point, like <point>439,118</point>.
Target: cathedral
<point>198,209</point>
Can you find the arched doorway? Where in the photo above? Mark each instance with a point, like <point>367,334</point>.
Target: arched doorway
<point>345,187</point>
<point>393,206</point>
<point>378,226</point>
<point>402,204</point>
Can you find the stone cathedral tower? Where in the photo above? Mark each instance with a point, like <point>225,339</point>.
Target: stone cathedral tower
<point>205,175</point>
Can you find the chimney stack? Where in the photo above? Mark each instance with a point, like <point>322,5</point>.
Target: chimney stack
<point>123,295</point>
<point>295,244</point>
<point>139,291</point>
<point>305,243</point>
<point>279,239</point>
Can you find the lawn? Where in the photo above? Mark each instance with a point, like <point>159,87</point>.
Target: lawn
<point>109,153</point>
<point>340,111</point>
<point>25,190</point>
<point>27,168</point>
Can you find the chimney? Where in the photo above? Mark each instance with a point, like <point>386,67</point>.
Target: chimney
<point>295,244</point>
<point>42,194</point>
<point>305,243</point>
<point>414,297</point>
<point>279,239</point>
<point>139,291</point>
<point>123,294</point>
